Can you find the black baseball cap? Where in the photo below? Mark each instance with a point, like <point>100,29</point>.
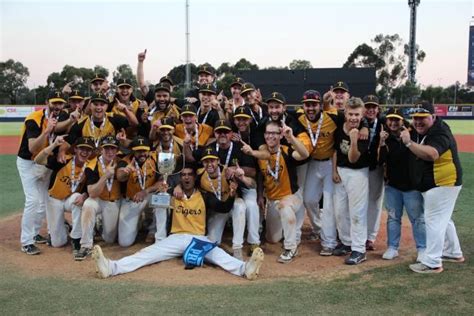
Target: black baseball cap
<point>422,109</point>
<point>99,97</point>
<point>56,96</point>
<point>98,77</point>
<point>75,95</point>
<point>394,113</point>
<point>311,96</point>
<point>140,143</point>
<point>109,141</point>
<point>210,153</point>
<point>247,87</point>
<point>167,122</point>
<point>124,82</point>
<point>167,79</point>
<point>371,99</point>
<point>207,87</point>
<point>222,125</point>
<point>243,111</point>
<point>188,109</point>
<point>340,85</point>
<point>206,68</point>
<point>237,82</point>
<point>162,86</point>
<point>276,96</point>
<point>87,142</point>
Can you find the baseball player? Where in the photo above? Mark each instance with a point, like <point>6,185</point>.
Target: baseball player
<point>193,133</point>
<point>187,230</point>
<point>351,175</point>
<point>252,99</point>
<point>124,102</point>
<point>439,177</point>
<point>376,179</point>
<point>138,171</point>
<point>37,133</point>
<point>278,178</point>
<point>66,189</point>
<point>209,111</point>
<point>104,193</point>
<point>399,189</point>
<point>236,100</point>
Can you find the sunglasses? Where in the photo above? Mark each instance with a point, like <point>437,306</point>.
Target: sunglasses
<point>419,110</point>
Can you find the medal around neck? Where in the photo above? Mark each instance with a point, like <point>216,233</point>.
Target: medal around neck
<point>166,165</point>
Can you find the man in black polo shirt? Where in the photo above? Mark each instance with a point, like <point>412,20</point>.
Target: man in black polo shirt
<point>438,173</point>
<point>399,190</point>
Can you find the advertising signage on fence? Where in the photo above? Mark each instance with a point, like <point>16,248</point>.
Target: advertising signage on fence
<point>441,109</point>
<point>15,111</point>
<point>459,110</point>
<point>470,62</point>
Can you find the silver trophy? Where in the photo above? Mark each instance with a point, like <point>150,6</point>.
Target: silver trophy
<point>166,165</point>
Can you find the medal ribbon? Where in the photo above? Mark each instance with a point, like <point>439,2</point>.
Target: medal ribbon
<point>75,182</point>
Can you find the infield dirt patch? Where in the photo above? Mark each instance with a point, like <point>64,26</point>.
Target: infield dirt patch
<point>58,262</point>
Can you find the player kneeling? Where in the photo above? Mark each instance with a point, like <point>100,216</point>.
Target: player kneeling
<point>104,197</point>
<point>187,239</point>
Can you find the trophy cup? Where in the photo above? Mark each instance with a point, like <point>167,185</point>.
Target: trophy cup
<point>166,164</point>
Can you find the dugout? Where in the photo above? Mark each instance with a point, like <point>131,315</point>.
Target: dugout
<point>292,83</point>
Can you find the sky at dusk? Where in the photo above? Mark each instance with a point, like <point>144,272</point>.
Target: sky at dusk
<point>46,35</point>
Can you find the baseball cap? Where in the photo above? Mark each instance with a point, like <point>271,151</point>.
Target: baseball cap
<point>394,113</point>
<point>86,142</point>
<point>188,109</point>
<point>206,68</point>
<point>311,96</point>
<point>109,141</point>
<point>247,87</point>
<point>99,97</point>
<point>167,122</point>
<point>207,87</point>
<point>222,125</point>
<point>371,99</point>
<point>124,82</point>
<point>56,96</point>
<point>237,82</point>
<point>98,77</point>
<point>340,85</point>
<point>210,153</point>
<point>276,96</point>
<point>140,143</point>
<point>162,86</point>
<point>75,95</point>
<point>422,109</point>
<point>242,111</point>
<point>167,79</point>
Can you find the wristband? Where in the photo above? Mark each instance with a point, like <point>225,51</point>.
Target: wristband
<point>408,144</point>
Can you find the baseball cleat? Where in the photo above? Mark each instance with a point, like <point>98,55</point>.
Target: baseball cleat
<point>252,267</point>
<point>40,239</point>
<point>421,268</point>
<point>326,252</point>
<point>355,258</point>
<point>30,249</point>
<point>288,255</point>
<point>82,253</point>
<point>342,250</point>
<point>453,259</point>
<point>101,263</point>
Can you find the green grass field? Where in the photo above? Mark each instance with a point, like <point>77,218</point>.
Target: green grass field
<point>392,290</point>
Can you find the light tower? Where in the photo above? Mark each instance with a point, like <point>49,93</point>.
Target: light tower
<point>412,45</point>
<point>188,66</point>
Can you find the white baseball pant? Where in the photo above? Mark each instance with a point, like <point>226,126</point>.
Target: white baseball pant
<point>281,220</point>
<point>319,183</point>
<point>350,205</point>
<point>301,172</point>
<point>55,217</point>
<point>441,236</point>
<point>171,247</point>
<point>35,181</point>
<point>110,215</point>
<point>216,224</point>
<point>252,215</point>
<point>374,210</point>
<point>129,216</point>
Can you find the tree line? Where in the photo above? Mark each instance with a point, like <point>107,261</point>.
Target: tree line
<point>388,54</point>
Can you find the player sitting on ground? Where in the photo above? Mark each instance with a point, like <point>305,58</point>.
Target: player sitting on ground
<point>187,230</point>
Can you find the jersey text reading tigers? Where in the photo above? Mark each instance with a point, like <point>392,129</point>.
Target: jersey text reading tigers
<point>189,215</point>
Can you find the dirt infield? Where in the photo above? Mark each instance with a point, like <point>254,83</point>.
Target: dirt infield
<point>9,144</point>
<point>58,262</point>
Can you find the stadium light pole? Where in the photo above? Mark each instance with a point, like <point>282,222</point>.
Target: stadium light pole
<point>188,66</point>
<point>412,46</point>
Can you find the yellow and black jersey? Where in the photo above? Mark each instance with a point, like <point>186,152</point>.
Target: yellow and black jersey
<point>171,111</point>
<point>61,183</point>
<point>132,186</point>
<point>444,171</point>
<point>135,104</point>
<point>324,148</point>
<point>204,132</point>
<point>189,215</point>
<point>111,125</point>
<point>213,203</point>
<point>287,181</point>
<point>93,173</point>
<point>35,123</point>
